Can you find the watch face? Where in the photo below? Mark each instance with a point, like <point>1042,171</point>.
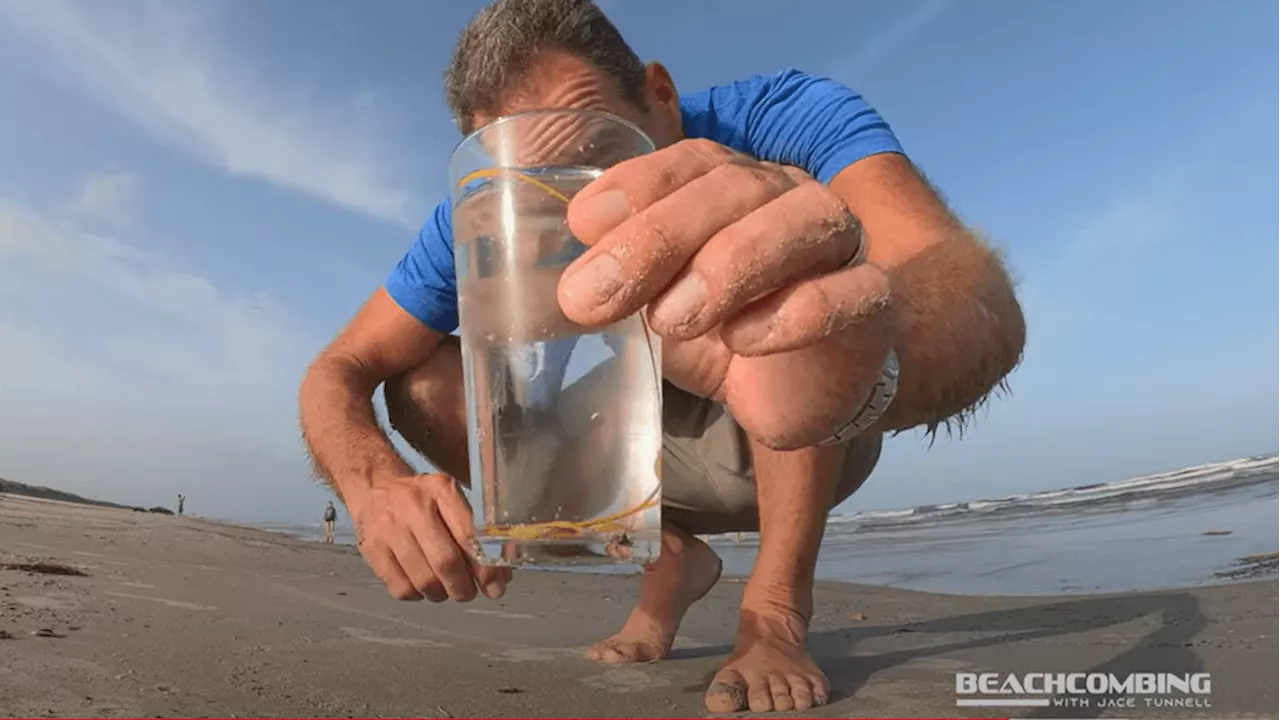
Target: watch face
<point>891,364</point>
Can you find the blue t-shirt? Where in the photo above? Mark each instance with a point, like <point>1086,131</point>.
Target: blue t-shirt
<point>790,118</point>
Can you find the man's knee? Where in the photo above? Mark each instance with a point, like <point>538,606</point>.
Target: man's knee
<point>709,479</point>
<point>429,399</point>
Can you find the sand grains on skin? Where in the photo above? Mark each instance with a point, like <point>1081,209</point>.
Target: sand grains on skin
<point>685,572</point>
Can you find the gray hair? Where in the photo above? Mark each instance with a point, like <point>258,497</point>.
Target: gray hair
<point>496,48</point>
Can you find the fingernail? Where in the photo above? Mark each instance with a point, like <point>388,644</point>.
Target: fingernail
<point>681,304</point>
<point>494,590</point>
<point>594,283</point>
<point>604,211</point>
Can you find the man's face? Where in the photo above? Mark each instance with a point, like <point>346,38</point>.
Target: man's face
<point>563,80</point>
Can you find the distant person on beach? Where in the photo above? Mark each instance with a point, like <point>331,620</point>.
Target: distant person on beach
<point>778,226</point>
<point>182,501</point>
<point>330,518</point>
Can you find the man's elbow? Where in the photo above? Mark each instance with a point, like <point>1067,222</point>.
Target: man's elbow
<point>331,370</point>
<point>999,326</point>
<point>1003,338</point>
<point>966,329</point>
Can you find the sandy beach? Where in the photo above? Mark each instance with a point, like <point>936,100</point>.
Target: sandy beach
<point>177,616</point>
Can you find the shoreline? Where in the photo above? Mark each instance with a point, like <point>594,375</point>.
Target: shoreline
<point>1260,567</point>
<point>190,617</point>
<point>1235,569</point>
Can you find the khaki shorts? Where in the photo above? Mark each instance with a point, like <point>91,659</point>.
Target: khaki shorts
<point>708,485</point>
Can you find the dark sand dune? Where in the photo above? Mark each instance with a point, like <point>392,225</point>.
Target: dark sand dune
<point>40,492</point>
<point>181,617</point>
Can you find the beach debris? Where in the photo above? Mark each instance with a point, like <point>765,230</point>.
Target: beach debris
<point>857,617</point>
<point>6,635</point>
<point>510,690</point>
<point>443,713</point>
<point>46,633</point>
<point>1261,557</point>
<point>44,567</point>
<point>1252,566</point>
<point>1216,532</point>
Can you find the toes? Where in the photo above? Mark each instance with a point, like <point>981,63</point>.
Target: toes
<point>618,551</point>
<point>620,653</point>
<point>759,695</point>
<point>780,694</point>
<point>801,692</point>
<point>733,691</point>
<point>728,693</point>
<point>623,653</point>
<point>821,689</point>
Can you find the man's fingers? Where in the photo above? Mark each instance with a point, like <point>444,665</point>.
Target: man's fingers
<point>388,570</point>
<point>808,312</point>
<point>627,267</point>
<point>417,567</point>
<point>635,184</point>
<point>458,518</point>
<point>803,233</point>
<point>444,555</point>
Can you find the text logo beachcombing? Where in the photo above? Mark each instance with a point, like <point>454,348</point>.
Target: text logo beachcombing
<point>1084,690</point>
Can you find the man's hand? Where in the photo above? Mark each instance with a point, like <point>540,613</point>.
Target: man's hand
<point>752,269</point>
<point>416,533</point>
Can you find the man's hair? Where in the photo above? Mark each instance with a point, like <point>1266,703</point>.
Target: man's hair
<point>497,47</point>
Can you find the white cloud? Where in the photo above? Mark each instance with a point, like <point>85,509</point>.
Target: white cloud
<point>164,320</point>
<point>152,64</point>
<point>107,198</point>
<point>889,40</point>
<point>127,378</point>
<point>1136,223</point>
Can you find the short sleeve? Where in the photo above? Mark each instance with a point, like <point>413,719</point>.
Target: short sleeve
<point>424,282</point>
<point>791,118</point>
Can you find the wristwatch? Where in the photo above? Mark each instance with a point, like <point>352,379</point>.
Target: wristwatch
<point>873,409</point>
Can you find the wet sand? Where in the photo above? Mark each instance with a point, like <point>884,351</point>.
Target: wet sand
<point>176,616</point>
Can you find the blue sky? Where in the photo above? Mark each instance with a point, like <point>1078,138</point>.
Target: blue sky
<point>195,196</point>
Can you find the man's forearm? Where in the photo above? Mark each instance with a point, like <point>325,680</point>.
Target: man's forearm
<point>955,323</point>
<point>958,331</point>
<point>339,427</point>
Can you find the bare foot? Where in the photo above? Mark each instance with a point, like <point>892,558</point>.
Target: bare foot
<point>770,669</point>
<point>684,573</point>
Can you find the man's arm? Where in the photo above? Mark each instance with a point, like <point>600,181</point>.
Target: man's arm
<point>347,446</point>
<point>413,530</point>
<point>957,327</point>
<point>397,329</point>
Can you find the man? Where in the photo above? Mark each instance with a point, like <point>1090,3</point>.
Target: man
<point>330,517</point>
<point>182,502</point>
<point>852,270</point>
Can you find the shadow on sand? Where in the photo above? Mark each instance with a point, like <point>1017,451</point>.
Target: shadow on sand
<point>1167,649</point>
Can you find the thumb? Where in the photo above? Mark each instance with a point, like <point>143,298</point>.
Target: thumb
<point>458,516</point>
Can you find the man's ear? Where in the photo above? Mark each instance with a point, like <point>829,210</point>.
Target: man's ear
<point>662,97</point>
